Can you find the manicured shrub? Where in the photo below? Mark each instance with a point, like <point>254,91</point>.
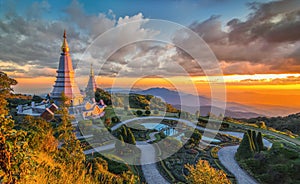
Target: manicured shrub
<point>254,141</point>
<point>245,150</point>
<point>130,137</point>
<point>162,135</point>
<point>196,137</point>
<point>139,112</point>
<point>260,143</point>
<point>147,112</point>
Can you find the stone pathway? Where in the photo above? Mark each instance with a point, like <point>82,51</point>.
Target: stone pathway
<point>84,136</point>
<point>148,158</point>
<point>152,136</point>
<point>226,157</point>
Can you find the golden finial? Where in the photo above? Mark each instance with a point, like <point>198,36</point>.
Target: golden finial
<point>91,71</point>
<point>65,47</point>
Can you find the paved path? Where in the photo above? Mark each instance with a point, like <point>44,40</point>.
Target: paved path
<point>148,160</point>
<point>189,123</point>
<point>151,173</point>
<point>152,136</point>
<point>226,157</point>
<point>149,167</point>
<point>84,136</point>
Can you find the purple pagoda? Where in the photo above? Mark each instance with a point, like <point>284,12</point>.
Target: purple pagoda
<point>65,82</point>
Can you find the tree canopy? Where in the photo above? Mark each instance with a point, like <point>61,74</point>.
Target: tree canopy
<point>203,173</point>
<point>36,151</point>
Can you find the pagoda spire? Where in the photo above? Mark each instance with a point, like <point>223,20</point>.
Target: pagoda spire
<point>65,46</point>
<point>91,70</point>
<point>91,85</point>
<point>65,78</point>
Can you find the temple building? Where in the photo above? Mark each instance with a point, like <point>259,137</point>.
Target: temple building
<point>65,82</point>
<point>91,85</point>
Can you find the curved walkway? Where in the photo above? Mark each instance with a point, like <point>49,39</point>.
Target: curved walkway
<point>149,168</point>
<point>153,117</point>
<point>151,173</point>
<point>226,157</point>
<point>148,155</point>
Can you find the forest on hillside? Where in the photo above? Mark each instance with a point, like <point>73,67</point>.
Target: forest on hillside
<point>287,123</point>
<point>33,150</point>
<point>134,101</point>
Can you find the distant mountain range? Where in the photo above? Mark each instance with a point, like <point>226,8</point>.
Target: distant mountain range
<point>190,103</point>
<point>123,90</point>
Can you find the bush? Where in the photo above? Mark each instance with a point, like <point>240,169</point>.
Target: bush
<point>116,167</point>
<point>202,172</point>
<point>139,113</point>
<point>261,124</point>
<point>260,142</point>
<point>277,165</point>
<point>37,99</point>
<point>245,150</point>
<point>162,135</point>
<point>196,137</point>
<point>115,120</point>
<point>147,112</point>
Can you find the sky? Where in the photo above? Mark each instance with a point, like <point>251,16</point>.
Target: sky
<point>254,43</point>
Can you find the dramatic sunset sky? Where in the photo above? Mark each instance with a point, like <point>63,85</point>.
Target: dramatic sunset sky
<point>256,43</point>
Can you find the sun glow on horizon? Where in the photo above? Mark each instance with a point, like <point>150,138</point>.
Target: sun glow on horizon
<point>259,91</point>
<point>263,82</point>
<point>239,78</point>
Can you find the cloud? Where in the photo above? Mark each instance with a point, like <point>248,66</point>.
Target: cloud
<point>116,47</point>
<point>268,21</point>
<point>267,42</point>
<point>152,58</point>
<point>145,58</point>
<point>94,25</point>
<point>276,81</point>
<point>37,41</point>
<point>33,41</point>
<point>27,70</point>
<point>210,30</point>
<point>243,67</point>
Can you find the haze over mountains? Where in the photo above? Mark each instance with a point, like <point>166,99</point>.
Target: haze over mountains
<point>189,103</point>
